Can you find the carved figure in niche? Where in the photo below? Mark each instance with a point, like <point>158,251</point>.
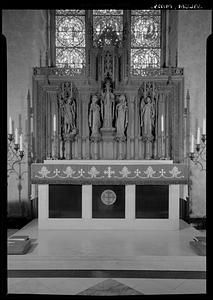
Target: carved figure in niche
<point>94,117</point>
<point>121,113</point>
<point>70,116</point>
<point>147,119</point>
<point>107,106</point>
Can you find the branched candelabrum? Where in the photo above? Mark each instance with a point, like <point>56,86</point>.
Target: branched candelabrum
<point>15,156</point>
<point>199,155</point>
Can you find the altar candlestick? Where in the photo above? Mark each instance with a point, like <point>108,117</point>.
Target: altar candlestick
<point>71,89</point>
<point>10,126</point>
<point>198,135</point>
<point>21,143</point>
<point>54,123</point>
<point>16,136</point>
<point>204,126</point>
<point>192,144</point>
<point>162,124</point>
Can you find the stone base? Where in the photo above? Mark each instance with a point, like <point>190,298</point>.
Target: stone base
<point>108,133</point>
<point>108,137</point>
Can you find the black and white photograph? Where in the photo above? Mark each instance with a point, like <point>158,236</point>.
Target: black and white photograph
<point>106,150</point>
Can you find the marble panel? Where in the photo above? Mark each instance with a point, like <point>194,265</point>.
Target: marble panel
<point>152,201</point>
<point>65,201</point>
<point>108,201</point>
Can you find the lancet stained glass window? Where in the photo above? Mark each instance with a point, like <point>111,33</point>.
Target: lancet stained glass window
<point>107,26</point>
<point>145,40</point>
<point>70,38</point>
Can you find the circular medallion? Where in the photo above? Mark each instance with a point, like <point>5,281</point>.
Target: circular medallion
<point>108,197</point>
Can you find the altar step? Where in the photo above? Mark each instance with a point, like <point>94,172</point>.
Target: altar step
<point>165,263</point>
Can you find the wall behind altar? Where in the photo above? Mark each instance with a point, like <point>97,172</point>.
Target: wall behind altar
<point>193,29</point>
<point>25,31</point>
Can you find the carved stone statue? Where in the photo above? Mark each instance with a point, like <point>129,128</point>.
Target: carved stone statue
<point>94,117</point>
<point>147,119</point>
<point>121,114</point>
<point>107,106</point>
<point>69,116</point>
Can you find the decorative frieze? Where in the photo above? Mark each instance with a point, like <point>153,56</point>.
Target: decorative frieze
<point>66,71</point>
<point>158,72</point>
<point>113,173</point>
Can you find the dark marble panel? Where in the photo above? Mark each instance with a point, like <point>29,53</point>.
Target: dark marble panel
<point>65,201</point>
<point>111,207</point>
<point>97,273</point>
<point>152,201</point>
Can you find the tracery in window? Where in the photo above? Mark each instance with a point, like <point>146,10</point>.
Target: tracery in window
<point>70,38</point>
<point>107,26</point>
<point>145,39</point>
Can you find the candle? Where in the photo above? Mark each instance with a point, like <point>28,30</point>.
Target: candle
<point>10,126</point>
<point>204,126</point>
<point>21,143</point>
<point>192,144</point>
<point>16,136</point>
<point>198,135</point>
<point>54,123</point>
<point>162,125</point>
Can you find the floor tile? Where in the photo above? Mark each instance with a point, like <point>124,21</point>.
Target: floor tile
<point>110,287</point>
<point>152,286</point>
<point>190,286</point>
<point>60,286</point>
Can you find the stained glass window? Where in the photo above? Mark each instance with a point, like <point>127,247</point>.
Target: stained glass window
<point>145,39</point>
<point>70,38</point>
<point>107,26</point>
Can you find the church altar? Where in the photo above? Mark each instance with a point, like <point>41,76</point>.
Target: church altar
<point>109,146</point>
<point>101,187</point>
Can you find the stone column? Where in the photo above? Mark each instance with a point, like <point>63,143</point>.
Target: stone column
<point>148,149</point>
<point>132,117</point>
<point>137,126</point>
<point>120,150</point>
<point>108,137</point>
<point>130,201</point>
<point>167,154</point>
<point>85,128</point>
<point>96,150</point>
<point>87,201</point>
<point>68,149</point>
<point>43,203</point>
<point>174,201</point>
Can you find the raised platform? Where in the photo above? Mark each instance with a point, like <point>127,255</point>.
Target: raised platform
<point>109,250</point>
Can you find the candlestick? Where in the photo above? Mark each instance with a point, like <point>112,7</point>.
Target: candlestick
<point>10,126</point>
<point>71,89</point>
<point>16,136</point>
<point>21,142</point>
<point>162,124</point>
<point>204,126</point>
<point>192,144</point>
<point>198,135</point>
<point>54,123</point>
